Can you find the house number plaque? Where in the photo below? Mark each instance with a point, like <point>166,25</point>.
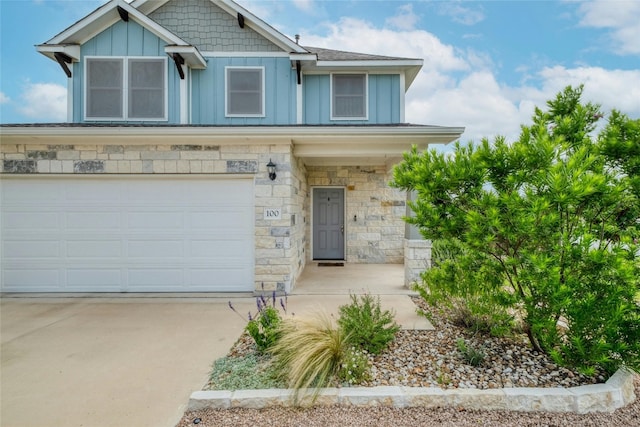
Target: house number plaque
<point>272,213</point>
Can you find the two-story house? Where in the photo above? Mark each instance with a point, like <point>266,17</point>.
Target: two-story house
<point>204,151</point>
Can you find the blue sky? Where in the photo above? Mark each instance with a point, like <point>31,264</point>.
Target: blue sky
<point>486,63</point>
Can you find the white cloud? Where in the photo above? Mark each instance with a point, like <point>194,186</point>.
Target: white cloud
<point>461,14</point>
<point>618,89</point>
<point>44,102</point>
<point>405,19</point>
<point>304,5</point>
<point>356,35</point>
<point>621,17</point>
<point>4,99</point>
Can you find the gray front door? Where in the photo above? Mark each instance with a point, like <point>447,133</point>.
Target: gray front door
<point>328,223</point>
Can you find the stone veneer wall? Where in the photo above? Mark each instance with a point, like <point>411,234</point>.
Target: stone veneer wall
<point>376,235</point>
<point>417,258</point>
<point>279,244</point>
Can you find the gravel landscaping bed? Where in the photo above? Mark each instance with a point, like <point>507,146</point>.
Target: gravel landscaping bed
<point>431,358</point>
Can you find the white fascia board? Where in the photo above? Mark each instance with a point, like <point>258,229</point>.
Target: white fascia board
<point>71,50</point>
<point>104,17</point>
<point>146,6</point>
<point>191,55</point>
<point>253,54</point>
<point>302,134</point>
<point>307,57</point>
<point>393,63</point>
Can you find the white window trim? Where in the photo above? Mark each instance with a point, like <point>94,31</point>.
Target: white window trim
<point>226,91</point>
<point>125,89</point>
<point>366,97</point>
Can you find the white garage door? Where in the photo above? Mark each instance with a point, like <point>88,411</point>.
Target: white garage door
<point>125,234</point>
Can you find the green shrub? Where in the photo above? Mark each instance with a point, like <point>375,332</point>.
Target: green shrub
<point>546,227</point>
<point>366,325</point>
<point>309,353</point>
<point>264,328</point>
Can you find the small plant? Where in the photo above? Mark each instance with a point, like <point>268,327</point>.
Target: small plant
<point>355,366</point>
<point>366,325</point>
<point>471,355</point>
<point>309,352</point>
<point>263,327</point>
<point>443,378</point>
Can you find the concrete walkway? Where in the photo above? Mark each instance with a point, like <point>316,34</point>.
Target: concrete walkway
<point>116,360</point>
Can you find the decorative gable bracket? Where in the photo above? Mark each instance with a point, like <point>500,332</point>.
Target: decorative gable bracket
<point>64,59</point>
<point>189,55</point>
<point>63,54</point>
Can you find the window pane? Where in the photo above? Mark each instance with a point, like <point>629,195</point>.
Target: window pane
<point>104,88</point>
<point>349,95</point>
<point>244,91</point>
<point>146,88</point>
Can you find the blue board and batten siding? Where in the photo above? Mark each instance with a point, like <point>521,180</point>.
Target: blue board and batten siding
<point>207,86</point>
<point>383,100</point>
<point>126,39</point>
<point>208,91</point>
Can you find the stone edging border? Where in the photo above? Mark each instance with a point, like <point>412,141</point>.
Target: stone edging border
<point>617,392</point>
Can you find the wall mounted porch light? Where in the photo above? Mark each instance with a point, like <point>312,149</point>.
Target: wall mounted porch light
<point>271,167</point>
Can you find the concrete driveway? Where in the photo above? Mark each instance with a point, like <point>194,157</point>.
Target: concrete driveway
<point>134,360</point>
<point>109,361</point>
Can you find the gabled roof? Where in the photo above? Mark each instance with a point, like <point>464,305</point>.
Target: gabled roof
<point>65,47</point>
<point>69,40</point>
<point>233,8</point>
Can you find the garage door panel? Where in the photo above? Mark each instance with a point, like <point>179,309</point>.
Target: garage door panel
<point>20,249</point>
<point>153,219</point>
<point>28,220</point>
<point>30,279</point>
<point>89,220</point>
<point>204,248</point>
<point>102,279</point>
<point>113,234</point>
<point>235,219</point>
<point>94,192</point>
<point>25,193</point>
<point>155,278</point>
<point>155,248</point>
<point>94,248</point>
<point>233,277</point>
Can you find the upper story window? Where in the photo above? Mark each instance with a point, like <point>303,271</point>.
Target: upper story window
<point>119,88</point>
<point>244,96</point>
<point>348,96</point>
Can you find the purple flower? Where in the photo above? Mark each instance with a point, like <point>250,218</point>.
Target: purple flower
<point>235,311</point>
<point>250,318</point>
<point>282,305</point>
<point>273,298</point>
